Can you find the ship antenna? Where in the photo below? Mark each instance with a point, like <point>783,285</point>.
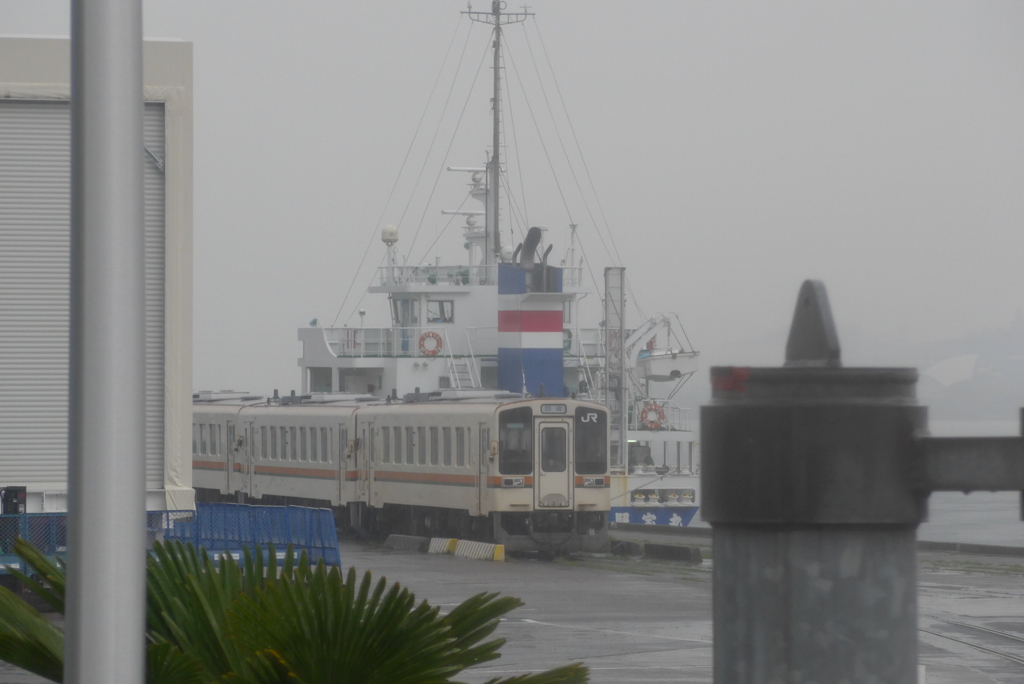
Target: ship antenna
<point>497,18</point>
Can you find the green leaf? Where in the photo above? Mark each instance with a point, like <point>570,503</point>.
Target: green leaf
<point>28,640</point>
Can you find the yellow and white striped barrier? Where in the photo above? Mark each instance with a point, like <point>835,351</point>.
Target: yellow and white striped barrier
<point>441,545</point>
<point>480,550</point>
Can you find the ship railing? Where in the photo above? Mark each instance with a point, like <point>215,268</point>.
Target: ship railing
<point>405,342</point>
<point>457,275</point>
<point>426,274</point>
<point>676,417</point>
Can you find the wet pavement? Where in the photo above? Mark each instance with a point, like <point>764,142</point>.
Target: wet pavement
<point>633,620</point>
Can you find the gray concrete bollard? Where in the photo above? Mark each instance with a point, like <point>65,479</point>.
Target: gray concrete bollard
<point>809,484</point>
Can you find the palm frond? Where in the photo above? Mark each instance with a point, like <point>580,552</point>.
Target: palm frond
<point>52,585</point>
<point>29,640</point>
<point>165,664</point>
<point>576,673</point>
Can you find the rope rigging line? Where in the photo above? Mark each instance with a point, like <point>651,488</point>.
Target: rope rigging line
<point>401,168</point>
<point>579,148</point>
<point>586,169</point>
<point>519,165</point>
<point>437,129</point>
<point>438,237</point>
<point>447,151</point>
<point>544,147</point>
<point>565,153</point>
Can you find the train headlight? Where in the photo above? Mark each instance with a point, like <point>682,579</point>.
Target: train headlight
<point>512,482</point>
<point>593,482</point>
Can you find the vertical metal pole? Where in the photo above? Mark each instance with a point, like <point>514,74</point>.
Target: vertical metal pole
<point>809,486</point>
<point>107,536</point>
<point>494,180</point>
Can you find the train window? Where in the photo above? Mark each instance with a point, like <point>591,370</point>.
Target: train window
<point>325,454</point>
<point>485,443</point>
<point>263,442</point>
<point>385,445</point>
<point>590,441</point>
<point>195,439</point>
<point>229,443</point>
<point>421,435</point>
<point>292,440</point>
<point>409,447</point>
<point>313,455</point>
<point>433,446</point>
<point>204,431</point>
<point>342,442</point>
<point>302,444</point>
<point>552,450</point>
<point>446,434</point>
<point>372,453</point>
<point>398,445</point>
<point>515,441</point>
<point>273,443</point>
<point>460,446</point>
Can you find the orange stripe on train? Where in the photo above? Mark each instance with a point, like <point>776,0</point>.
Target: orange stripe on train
<point>295,472</point>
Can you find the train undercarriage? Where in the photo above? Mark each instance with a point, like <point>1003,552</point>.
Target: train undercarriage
<point>547,532</point>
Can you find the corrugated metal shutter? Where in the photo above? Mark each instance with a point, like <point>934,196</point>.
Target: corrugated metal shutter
<point>153,134</point>
<point>35,193</point>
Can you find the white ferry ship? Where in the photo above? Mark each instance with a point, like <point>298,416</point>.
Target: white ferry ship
<point>501,316</point>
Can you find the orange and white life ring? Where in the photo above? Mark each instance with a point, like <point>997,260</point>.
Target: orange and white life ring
<point>430,343</point>
<point>652,416</point>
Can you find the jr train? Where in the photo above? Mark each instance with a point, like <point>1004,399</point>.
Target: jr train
<point>529,473</point>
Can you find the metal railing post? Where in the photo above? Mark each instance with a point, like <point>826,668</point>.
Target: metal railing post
<point>106,446</point>
<point>809,484</point>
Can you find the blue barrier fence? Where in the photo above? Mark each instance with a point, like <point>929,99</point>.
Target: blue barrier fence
<point>217,527</point>
<point>220,527</point>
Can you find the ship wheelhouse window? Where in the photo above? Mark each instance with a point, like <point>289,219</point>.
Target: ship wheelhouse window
<point>441,311</point>
<point>590,441</point>
<point>515,441</point>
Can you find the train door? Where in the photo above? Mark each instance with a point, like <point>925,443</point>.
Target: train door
<point>365,455</point>
<point>553,485</point>
<point>247,450</point>
<point>484,435</point>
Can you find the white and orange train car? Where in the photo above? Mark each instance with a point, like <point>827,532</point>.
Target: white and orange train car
<point>529,473</point>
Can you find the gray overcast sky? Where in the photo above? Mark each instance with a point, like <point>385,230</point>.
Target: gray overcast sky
<point>737,149</point>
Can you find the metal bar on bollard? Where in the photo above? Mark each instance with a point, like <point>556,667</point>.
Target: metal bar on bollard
<point>809,485</point>
<point>107,525</point>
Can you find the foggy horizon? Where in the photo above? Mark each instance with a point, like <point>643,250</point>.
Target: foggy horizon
<point>737,149</point>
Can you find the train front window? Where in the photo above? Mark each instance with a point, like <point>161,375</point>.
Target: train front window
<point>515,441</point>
<point>552,450</point>
<point>591,441</point>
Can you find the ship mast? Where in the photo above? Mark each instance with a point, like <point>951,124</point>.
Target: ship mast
<point>497,18</point>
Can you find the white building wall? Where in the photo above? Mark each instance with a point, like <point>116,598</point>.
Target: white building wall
<point>34,232</point>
